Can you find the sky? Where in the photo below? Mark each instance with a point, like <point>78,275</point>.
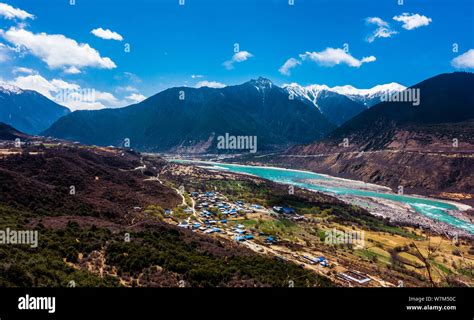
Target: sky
<point>128,50</point>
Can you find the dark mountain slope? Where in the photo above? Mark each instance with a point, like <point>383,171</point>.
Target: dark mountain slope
<point>445,101</point>
<point>446,98</point>
<point>81,236</point>
<point>164,122</point>
<point>9,133</point>
<point>340,104</point>
<point>337,108</point>
<point>428,149</point>
<point>27,110</point>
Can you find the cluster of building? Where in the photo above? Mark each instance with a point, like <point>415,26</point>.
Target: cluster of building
<point>289,213</point>
<point>319,260</point>
<point>9,144</point>
<point>212,203</point>
<point>213,210</point>
<point>242,234</point>
<point>354,276</point>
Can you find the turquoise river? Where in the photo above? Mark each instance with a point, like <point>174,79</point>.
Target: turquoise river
<point>435,209</point>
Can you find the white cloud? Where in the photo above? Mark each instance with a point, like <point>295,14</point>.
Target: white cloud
<point>58,51</point>
<point>126,89</point>
<point>288,65</point>
<point>136,97</point>
<point>68,94</point>
<point>383,29</point>
<point>368,59</point>
<point>11,13</point>
<point>106,97</point>
<point>61,84</point>
<point>37,83</point>
<point>72,70</point>
<point>241,56</point>
<point>464,61</point>
<point>331,57</point>
<point>377,21</point>
<point>4,53</point>
<point>412,21</point>
<point>83,105</point>
<point>107,34</point>
<point>236,58</point>
<point>129,76</point>
<point>24,70</point>
<point>210,84</point>
<point>196,76</point>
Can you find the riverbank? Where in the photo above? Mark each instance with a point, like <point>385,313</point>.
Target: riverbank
<point>391,243</point>
<point>442,177</point>
<point>331,181</point>
<point>441,216</point>
<point>402,214</point>
<point>359,184</point>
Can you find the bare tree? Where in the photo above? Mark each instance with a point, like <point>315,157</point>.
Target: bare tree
<point>432,252</point>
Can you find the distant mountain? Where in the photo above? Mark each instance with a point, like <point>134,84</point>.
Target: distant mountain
<point>426,148</point>
<point>187,119</point>
<point>368,97</point>
<point>9,133</point>
<point>340,104</point>
<point>335,107</point>
<point>27,110</point>
<point>444,99</point>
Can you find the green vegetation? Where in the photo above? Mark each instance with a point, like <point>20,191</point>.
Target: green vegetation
<point>44,266</point>
<point>271,227</point>
<point>305,203</point>
<point>155,211</point>
<point>199,261</point>
<point>441,267</point>
<point>373,256</point>
<point>169,250</point>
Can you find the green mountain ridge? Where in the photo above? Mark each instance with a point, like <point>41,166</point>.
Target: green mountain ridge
<point>182,118</point>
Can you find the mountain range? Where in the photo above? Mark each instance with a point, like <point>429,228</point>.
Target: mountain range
<point>426,147</point>
<point>341,131</point>
<point>341,103</point>
<point>185,119</point>
<point>189,120</point>
<point>28,110</point>
<point>445,103</point>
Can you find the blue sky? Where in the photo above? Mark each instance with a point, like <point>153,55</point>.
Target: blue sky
<point>169,43</point>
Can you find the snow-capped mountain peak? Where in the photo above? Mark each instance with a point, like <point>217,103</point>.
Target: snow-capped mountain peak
<point>298,88</point>
<point>9,89</point>
<point>368,97</point>
<point>310,93</point>
<point>340,103</point>
<point>261,83</point>
<point>350,90</point>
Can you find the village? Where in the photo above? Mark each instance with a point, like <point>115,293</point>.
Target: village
<point>218,215</point>
<point>211,213</point>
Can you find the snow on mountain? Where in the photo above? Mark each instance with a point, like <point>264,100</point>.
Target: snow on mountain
<point>310,93</point>
<point>255,108</point>
<point>371,96</point>
<point>9,89</point>
<point>26,110</point>
<point>261,83</point>
<point>367,97</point>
